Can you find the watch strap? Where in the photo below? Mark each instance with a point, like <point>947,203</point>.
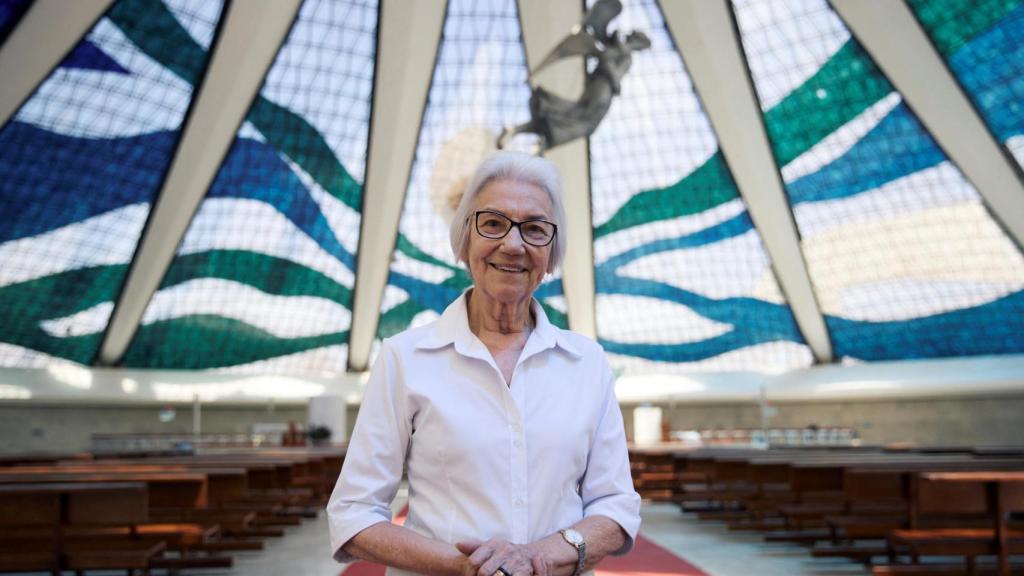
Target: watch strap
<point>581,552</point>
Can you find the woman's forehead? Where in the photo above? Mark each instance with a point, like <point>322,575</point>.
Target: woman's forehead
<point>513,197</point>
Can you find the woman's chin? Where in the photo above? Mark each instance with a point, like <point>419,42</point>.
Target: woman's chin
<point>508,294</point>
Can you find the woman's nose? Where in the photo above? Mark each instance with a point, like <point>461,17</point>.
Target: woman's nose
<point>514,240</point>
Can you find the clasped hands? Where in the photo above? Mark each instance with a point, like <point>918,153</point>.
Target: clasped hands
<point>485,558</point>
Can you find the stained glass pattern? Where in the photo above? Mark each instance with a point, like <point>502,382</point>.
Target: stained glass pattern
<point>980,41</point>
<point>478,88</point>
<point>905,259</point>
<point>263,278</point>
<point>80,164</point>
<point>683,280</point>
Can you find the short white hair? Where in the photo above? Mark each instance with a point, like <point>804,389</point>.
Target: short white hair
<point>516,167</point>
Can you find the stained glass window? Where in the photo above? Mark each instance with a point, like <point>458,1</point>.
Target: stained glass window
<point>80,164</point>
<point>683,280</point>
<point>478,88</point>
<point>262,281</point>
<point>905,259</point>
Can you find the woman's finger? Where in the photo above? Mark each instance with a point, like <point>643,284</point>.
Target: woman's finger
<point>509,558</point>
<point>468,547</point>
<point>484,552</point>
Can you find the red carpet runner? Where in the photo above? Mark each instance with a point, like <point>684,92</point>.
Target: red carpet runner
<point>646,559</point>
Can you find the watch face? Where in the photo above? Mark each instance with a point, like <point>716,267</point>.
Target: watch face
<point>573,537</point>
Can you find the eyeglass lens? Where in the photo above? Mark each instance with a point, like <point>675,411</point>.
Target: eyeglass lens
<point>493,225</point>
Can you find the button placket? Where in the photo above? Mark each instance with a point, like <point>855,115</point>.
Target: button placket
<point>517,434</point>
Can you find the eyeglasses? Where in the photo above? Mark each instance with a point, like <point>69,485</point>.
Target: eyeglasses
<point>496,226</point>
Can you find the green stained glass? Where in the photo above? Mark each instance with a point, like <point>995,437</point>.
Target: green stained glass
<point>215,342</point>
<point>952,23</point>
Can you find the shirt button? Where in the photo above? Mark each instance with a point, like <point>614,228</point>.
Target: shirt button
<point>517,444</point>
<point>519,502</point>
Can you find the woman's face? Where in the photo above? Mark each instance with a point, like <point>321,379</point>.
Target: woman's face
<point>509,269</point>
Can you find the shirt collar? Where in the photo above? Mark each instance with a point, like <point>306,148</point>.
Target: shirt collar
<point>453,328</point>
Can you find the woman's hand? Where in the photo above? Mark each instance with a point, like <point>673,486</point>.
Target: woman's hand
<point>517,560</point>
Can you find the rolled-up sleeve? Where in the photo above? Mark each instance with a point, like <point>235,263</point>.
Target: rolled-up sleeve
<point>607,487</point>
<point>375,457</point>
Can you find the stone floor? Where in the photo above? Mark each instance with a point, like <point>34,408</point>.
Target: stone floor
<point>708,545</point>
<point>305,551</point>
<point>719,552</point>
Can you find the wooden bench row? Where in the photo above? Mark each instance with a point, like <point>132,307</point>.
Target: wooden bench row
<point>898,506</point>
<point>168,512</point>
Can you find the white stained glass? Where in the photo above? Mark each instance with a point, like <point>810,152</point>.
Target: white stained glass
<point>292,317</point>
<point>244,224</point>
<point>934,257</point>
<point>323,361</point>
<point>198,17</point>
<point>786,42</point>
<point>655,321</point>
<point>77,245</point>
<point>657,118</point>
<point>479,83</point>
<point>107,104</point>
<point>729,268</point>
<point>324,73</point>
<point>765,358</point>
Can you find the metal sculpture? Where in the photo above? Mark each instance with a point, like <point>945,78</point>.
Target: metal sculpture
<point>559,120</point>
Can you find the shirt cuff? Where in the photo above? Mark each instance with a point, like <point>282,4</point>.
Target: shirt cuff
<point>624,510</point>
<point>353,519</point>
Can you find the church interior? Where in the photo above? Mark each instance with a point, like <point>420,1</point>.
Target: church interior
<point>795,227</point>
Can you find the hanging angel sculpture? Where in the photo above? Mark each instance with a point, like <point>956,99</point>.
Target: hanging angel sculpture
<point>559,120</point>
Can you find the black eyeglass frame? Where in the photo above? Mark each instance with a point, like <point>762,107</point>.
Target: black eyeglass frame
<point>514,224</point>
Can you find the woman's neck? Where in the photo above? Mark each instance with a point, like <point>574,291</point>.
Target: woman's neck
<point>489,316</point>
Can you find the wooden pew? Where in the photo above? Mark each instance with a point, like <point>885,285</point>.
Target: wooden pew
<point>820,488</point>
<point>58,508</point>
<point>653,471</point>
<point>225,487</point>
<point>988,496</point>
<point>166,489</point>
<point>271,492</point>
<point>878,502</point>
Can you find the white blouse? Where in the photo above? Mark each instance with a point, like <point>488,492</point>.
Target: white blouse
<point>485,459</point>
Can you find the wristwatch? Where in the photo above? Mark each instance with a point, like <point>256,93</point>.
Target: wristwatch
<point>575,539</point>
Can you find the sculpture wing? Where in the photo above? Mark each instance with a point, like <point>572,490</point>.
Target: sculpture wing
<point>579,43</point>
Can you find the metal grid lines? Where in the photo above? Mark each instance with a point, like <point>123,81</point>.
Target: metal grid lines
<point>683,281</point>
<point>80,164</point>
<point>905,261</point>
<point>478,88</point>
<point>262,281</point>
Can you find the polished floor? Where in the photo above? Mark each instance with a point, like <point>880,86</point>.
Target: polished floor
<point>305,551</point>
<point>708,545</point>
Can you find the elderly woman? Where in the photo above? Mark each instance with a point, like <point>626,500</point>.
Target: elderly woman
<point>506,426</point>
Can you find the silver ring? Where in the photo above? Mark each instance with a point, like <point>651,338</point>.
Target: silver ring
<point>501,572</point>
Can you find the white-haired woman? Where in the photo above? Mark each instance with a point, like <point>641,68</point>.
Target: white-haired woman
<point>507,427</point>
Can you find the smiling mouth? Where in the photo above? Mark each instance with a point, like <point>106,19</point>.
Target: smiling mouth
<point>510,269</point>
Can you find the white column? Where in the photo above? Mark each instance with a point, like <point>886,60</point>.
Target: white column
<point>708,43</point>
<point>409,34</point>
<point>544,25</point>
<point>332,412</point>
<point>46,33</point>
<point>895,40</point>
<point>251,36</point>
